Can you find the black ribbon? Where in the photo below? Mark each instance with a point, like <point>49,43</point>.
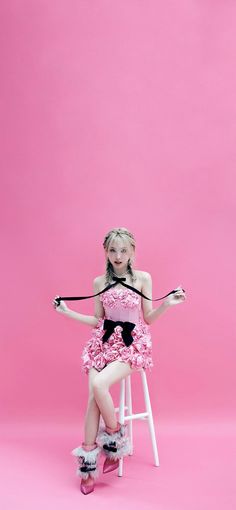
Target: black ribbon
<point>110,325</point>
<point>117,280</point>
<point>111,447</point>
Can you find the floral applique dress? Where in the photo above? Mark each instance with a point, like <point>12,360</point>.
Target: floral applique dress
<point>119,305</point>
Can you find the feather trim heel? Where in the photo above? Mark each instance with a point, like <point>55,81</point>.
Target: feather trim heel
<point>87,457</point>
<point>114,445</point>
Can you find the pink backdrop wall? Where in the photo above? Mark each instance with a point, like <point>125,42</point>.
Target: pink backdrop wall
<point>117,114</point>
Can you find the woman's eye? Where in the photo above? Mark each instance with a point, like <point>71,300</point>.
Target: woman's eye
<point>124,249</point>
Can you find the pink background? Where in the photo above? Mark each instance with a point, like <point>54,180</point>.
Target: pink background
<point>118,114</point>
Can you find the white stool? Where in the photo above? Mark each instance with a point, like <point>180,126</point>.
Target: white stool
<point>126,404</point>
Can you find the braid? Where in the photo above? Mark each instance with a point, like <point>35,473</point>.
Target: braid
<point>121,232</point>
<point>130,270</point>
<point>109,273</point>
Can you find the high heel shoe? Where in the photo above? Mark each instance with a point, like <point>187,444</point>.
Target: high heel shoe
<point>87,485</point>
<point>115,445</point>
<point>87,459</point>
<point>110,465</point>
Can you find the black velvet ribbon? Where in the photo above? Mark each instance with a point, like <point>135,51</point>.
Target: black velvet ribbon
<point>111,447</point>
<point>110,325</point>
<point>117,280</point>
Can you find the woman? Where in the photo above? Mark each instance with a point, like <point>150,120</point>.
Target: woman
<point>119,344</point>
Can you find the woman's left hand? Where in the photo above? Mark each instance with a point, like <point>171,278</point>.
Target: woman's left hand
<point>176,298</point>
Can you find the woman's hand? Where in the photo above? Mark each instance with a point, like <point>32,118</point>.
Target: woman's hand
<point>176,298</point>
<point>62,307</point>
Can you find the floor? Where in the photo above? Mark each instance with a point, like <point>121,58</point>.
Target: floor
<point>196,472</point>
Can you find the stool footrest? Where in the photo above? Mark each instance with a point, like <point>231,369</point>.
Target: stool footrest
<point>137,416</point>
<point>117,409</point>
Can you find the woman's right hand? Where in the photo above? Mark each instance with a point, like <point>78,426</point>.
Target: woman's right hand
<point>62,307</point>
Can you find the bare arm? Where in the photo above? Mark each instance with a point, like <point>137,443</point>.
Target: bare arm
<point>150,314</point>
<point>86,319</point>
<point>91,320</point>
<point>156,312</point>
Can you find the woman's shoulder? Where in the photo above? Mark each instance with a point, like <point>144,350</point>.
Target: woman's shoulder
<point>143,275</point>
<point>99,280</point>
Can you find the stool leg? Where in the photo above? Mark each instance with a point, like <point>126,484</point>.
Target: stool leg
<point>150,417</point>
<point>121,418</point>
<point>130,412</point>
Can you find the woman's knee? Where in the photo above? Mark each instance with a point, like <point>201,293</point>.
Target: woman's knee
<point>92,374</point>
<point>91,397</point>
<point>98,386</point>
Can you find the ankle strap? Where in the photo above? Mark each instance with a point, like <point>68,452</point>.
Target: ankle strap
<point>89,447</point>
<point>111,431</point>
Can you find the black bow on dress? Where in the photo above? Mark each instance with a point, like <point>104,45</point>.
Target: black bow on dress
<point>110,325</point>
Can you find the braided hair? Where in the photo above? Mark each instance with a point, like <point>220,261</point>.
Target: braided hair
<point>123,233</point>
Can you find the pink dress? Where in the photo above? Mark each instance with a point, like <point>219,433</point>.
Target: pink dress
<point>119,305</point>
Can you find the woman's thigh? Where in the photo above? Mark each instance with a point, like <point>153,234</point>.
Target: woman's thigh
<point>112,373</point>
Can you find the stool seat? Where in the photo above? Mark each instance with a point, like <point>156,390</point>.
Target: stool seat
<point>126,413</point>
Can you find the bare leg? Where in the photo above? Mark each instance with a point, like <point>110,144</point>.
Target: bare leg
<point>100,401</point>
<point>91,424</point>
<point>92,416</point>
<point>112,373</point>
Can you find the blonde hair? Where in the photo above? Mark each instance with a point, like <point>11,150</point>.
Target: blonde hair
<point>124,234</point>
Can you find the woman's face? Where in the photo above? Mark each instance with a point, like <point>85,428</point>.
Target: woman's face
<point>119,253</point>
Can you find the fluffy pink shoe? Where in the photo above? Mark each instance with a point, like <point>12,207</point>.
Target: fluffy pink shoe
<point>87,459</point>
<point>115,445</point>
